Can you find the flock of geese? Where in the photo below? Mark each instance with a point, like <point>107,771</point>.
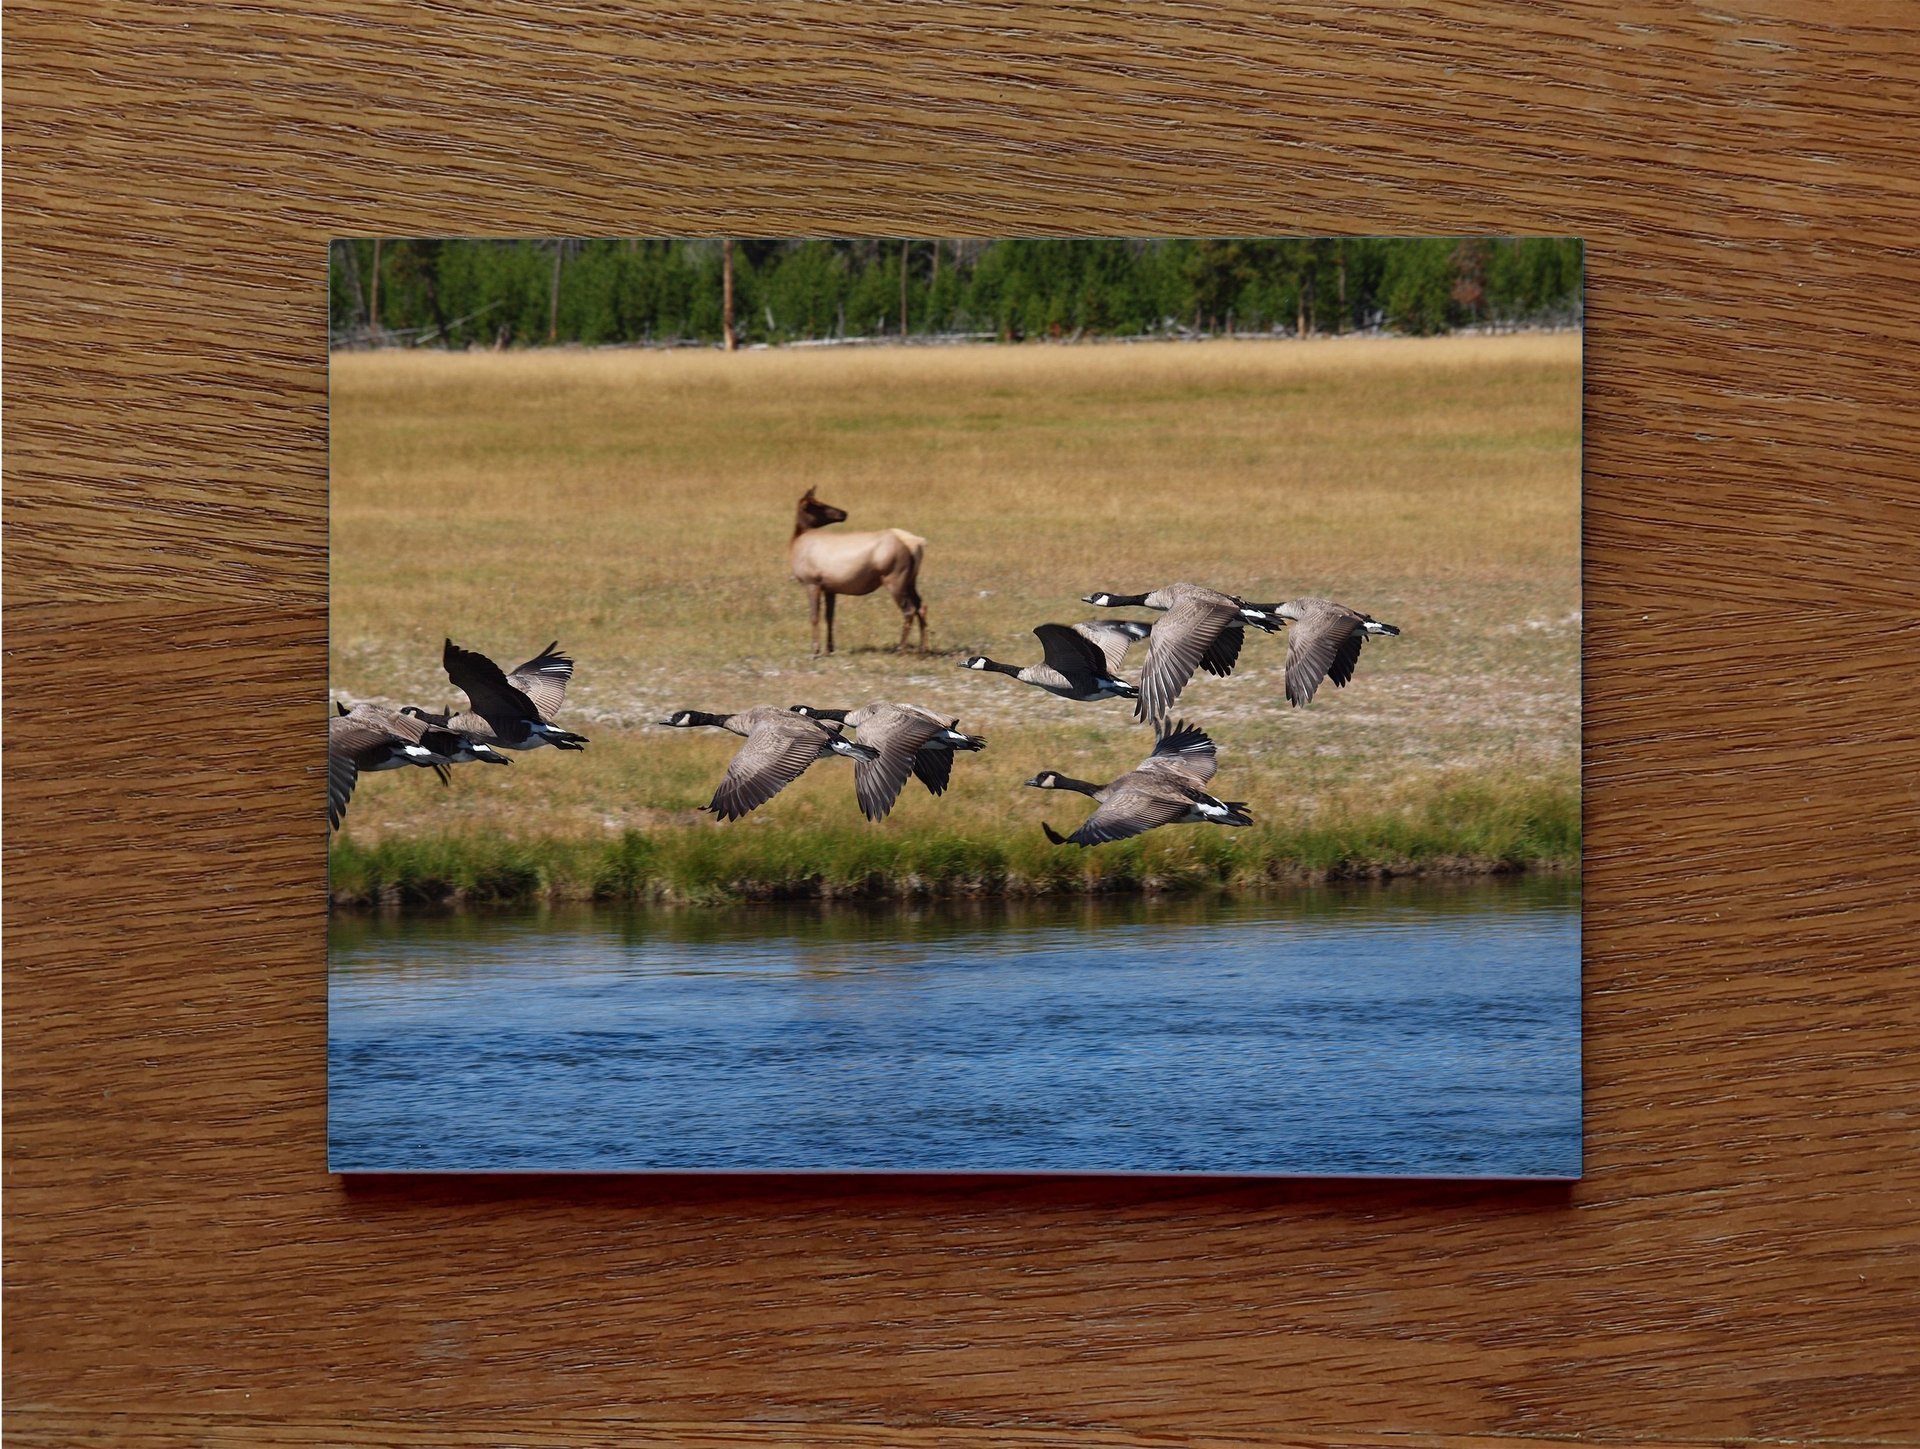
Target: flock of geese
<point>1199,629</point>
<point>504,712</point>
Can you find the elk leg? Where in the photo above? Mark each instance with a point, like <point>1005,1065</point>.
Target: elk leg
<point>830,598</point>
<point>907,601</point>
<point>813,597</point>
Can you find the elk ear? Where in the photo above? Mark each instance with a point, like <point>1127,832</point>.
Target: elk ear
<point>807,497</point>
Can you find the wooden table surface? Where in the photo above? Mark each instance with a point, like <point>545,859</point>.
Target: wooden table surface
<point>1741,1261</point>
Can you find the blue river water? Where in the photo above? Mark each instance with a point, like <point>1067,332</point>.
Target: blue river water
<point>1401,1029</point>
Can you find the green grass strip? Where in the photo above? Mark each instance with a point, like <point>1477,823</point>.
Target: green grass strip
<point>1455,828</point>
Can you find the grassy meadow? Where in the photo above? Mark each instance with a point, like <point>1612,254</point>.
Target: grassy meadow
<point>637,506</point>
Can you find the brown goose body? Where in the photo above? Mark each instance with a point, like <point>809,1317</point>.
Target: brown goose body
<point>1203,629</point>
<point>370,737</point>
<point>1074,667</point>
<point>367,738</point>
<point>1164,789</point>
<point>1323,642</point>
<point>779,746</point>
<point>511,711</point>
<point>910,741</point>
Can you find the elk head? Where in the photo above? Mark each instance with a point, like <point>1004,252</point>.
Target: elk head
<point>815,514</point>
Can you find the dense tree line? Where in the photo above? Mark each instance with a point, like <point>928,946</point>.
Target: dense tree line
<point>489,293</point>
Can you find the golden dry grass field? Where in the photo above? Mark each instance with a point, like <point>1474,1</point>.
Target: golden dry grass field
<point>637,506</point>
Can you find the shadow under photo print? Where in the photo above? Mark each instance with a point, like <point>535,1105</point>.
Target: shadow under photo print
<point>1102,706</point>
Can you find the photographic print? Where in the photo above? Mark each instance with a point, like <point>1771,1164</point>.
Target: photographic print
<point>971,705</point>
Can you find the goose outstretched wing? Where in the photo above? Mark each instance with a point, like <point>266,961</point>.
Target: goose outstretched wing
<point>341,775</point>
<point>1185,751</point>
<point>1135,807</point>
<point>1324,641</point>
<point>543,679</point>
<point>774,756</point>
<point>1112,638</point>
<point>1186,636</point>
<point>1072,656</point>
<point>494,697</point>
<point>898,736</point>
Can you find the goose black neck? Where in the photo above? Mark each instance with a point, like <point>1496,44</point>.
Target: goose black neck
<point>1067,782</point>
<point>1115,601</point>
<point>999,668</point>
<point>839,716</point>
<point>701,717</point>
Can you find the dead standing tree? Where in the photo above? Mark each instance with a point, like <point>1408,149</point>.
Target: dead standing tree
<point>726,295</point>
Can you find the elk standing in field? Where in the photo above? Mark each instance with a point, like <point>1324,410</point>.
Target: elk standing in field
<point>855,563</point>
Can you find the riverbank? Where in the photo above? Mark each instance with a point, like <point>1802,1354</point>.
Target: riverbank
<point>1460,829</point>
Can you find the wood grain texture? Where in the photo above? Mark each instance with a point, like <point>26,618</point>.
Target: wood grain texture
<point>1740,1262</point>
<point>218,1432</point>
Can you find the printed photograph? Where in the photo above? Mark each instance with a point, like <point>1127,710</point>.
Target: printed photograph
<point>960,705</point>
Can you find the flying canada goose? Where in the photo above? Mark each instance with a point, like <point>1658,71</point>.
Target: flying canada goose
<point>1204,629</point>
<point>1163,790</point>
<point>1323,641</point>
<point>369,737</point>
<point>1074,667</point>
<point>513,711</point>
<point>780,745</point>
<point>468,749</point>
<point>911,740</point>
